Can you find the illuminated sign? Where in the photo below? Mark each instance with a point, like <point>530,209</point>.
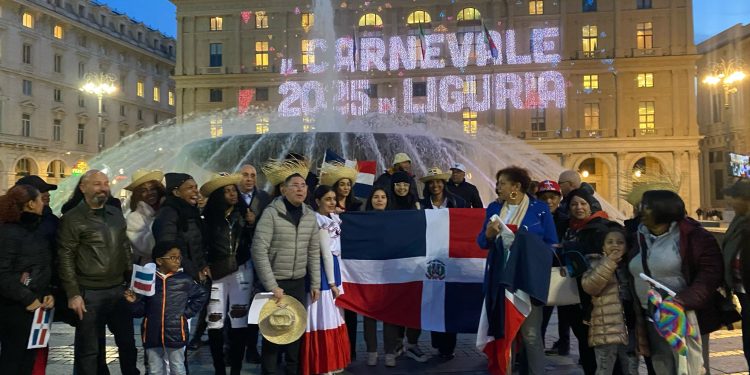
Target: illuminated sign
<point>540,89</point>
<point>80,168</point>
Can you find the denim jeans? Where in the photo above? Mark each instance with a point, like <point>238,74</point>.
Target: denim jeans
<point>607,356</point>
<point>169,361</point>
<point>531,335</point>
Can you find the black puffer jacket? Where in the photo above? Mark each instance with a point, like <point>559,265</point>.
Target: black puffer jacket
<point>25,255</point>
<point>166,323</point>
<point>178,220</point>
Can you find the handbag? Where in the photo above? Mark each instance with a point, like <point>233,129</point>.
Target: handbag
<point>563,289</point>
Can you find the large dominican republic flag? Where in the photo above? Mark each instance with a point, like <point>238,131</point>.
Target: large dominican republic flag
<point>420,269</point>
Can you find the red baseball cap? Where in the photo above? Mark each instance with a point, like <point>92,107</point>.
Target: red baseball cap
<point>547,186</point>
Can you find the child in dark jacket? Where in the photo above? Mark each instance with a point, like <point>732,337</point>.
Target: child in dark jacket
<point>165,325</point>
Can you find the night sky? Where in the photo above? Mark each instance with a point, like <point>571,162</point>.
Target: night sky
<point>710,18</point>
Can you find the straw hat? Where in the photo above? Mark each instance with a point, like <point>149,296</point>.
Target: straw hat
<point>400,158</point>
<point>219,181</point>
<point>435,173</point>
<point>142,176</point>
<point>283,322</point>
<point>648,182</point>
<point>330,174</point>
<point>277,171</point>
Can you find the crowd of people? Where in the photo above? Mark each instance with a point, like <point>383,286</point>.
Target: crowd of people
<point>216,245</point>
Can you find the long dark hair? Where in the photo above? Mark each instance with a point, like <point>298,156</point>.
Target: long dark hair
<point>349,200</point>
<point>319,193</point>
<point>11,204</point>
<point>137,195</point>
<point>216,206</point>
<point>368,204</point>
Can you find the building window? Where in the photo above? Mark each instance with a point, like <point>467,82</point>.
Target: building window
<point>122,28</point>
<point>716,108</point>
<point>589,5</point>
<point>536,6</point>
<point>58,63</point>
<point>156,117</point>
<point>23,167</point>
<point>57,32</point>
<point>591,82</point>
<point>81,101</point>
<point>171,98</point>
<point>26,53</point>
<point>56,169</point>
<point>27,87</point>
<point>372,90</point>
<point>419,89</point>
<point>157,94</point>
<point>261,94</point>
<point>643,4</point>
<point>370,19</point>
<point>261,55</point>
<point>81,132</point>
<point>81,10</point>
<point>215,95</point>
<point>308,19</point>
<point>122,110</point>
<point>590,40</point>
<point>215,126</point>
<point>217,23</point>
<point>140,114</point>
<point>139,89</point>
<point>56,130</point>
<point>469,14</point>
<point>261,20</point>
<point>81,69</point>
<point>308,53</point>
<point>646,117</point>
<point>418,17</point>
<point>216,54</point>
<point>645,79</point>
<point>470,87</point>
<point>470,122</point>
<point>538,120</point>
<point>102,137</point>
<point>645,35</point>
<point>261,127</point>
<point>591,116</point>
<point>26,125</point>
<point>28,20</point>
<point>719,184</point>
<point>308,124</point>
<point>57,95</point>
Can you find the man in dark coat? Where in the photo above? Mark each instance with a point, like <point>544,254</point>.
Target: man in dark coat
<point>457,185</point>
<point>252,202</point>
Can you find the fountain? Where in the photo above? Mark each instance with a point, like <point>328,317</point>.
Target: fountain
<point>433,141</point>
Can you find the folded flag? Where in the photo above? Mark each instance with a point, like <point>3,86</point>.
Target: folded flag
<point>143,278</point>
<point>39,335</point>
<point>419,269</point>
<point>366,176</point>
<point>671,322</point>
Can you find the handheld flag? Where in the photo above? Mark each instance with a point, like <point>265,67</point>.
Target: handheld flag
<point>142,281</point>
<point>39,335</point>
<point>422,40</point>
<point>490,43</point>
<point>671,322</point>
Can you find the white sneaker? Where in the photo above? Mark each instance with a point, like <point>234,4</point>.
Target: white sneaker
<point>390,360</point>
<point>372,358</point>
<point>413,352</point>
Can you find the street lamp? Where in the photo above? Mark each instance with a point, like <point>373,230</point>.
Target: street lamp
<point>728,74</point>
<point>99,84</point>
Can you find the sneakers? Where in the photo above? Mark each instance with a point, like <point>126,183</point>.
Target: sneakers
<point>372,358</point>
<point>390,360</point>
<point>413,352</point>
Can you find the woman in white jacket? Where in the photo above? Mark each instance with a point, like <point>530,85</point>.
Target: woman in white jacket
<point>147,195</point>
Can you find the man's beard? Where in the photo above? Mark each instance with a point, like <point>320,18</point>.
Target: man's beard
<point>99,199</point>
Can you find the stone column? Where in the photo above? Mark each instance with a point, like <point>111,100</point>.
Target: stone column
<point>692,182</point>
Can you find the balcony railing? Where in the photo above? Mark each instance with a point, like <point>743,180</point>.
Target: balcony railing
<point>653,132</point>
<point>644,52</point>
<point>212,70</point>
<point>14,139</point>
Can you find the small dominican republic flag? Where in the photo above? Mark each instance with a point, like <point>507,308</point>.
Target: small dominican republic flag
<point>490,43</point>
<point>428,276</point>
<point>422,40</point>
<point>39,335</point>
<point>143,278</point>
<point>366,177</point>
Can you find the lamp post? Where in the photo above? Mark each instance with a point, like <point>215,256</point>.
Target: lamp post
<point>729,74</point>
<point>99,84</point>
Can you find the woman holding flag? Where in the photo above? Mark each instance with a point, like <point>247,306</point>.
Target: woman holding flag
<point>325,346</point>
<point>517,211</point>
<point>25,274</point>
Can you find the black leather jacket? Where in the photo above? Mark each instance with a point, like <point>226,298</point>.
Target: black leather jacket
<point>93,249</point>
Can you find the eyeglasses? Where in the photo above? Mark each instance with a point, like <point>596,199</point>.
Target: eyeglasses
<point>175,258</point>
<point>298,186</point>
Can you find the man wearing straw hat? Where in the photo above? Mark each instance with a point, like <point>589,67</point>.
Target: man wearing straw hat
<point>286,248</point>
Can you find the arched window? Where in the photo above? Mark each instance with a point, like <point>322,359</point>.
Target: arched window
<point>370,19</point>
<point>418,17</point>
<point>56,169</point>
<point>469,14</point>
<point>25,167</point>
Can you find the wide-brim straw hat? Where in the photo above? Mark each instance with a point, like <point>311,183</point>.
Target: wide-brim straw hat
<point>218,181</point>
<point>142,176</point>
<point>649,182</point>
<point>283,322</point>
<point>277,171</point>
<point>435,173</point>
<point>330,174</point>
